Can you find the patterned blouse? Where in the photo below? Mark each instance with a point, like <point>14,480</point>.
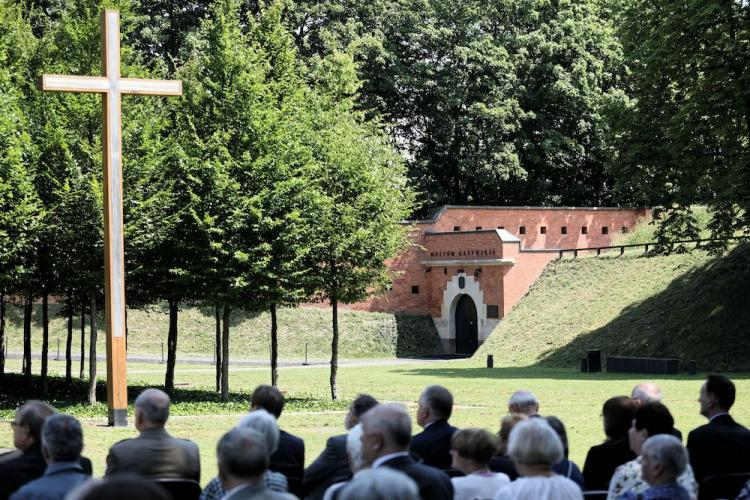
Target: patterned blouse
<point>673,491</point>
<point>275,481</point>
<point>627,477</point>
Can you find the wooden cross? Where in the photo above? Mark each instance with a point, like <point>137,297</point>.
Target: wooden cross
<point>111,86</point>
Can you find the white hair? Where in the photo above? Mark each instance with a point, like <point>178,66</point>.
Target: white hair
<point>382,483</point>
<point>535,442</point>
<point>646,392</point>
<point>354,448</point>
<point>264,423</point>
<point>523,399</point>
<point>667,451</point>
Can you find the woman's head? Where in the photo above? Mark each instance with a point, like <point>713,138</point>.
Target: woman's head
<point>534,443</point>
<point>649,420</point>
<point>506,425</point>
<point>264,423</point>
<point>473,448</point>
<point>618,414</point>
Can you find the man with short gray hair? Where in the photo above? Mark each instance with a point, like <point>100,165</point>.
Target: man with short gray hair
<point>62,443</point>
<point>646,392</point>
<point>524,402</point>
<point>433,445</point>
<point>154,453</point>
<point>386,433</point>
<point>383,483</point>
<point>243,458</point>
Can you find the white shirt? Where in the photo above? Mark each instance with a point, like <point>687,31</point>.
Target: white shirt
<point>379,461</point>
<point>480,485</point>
<point>540,488</point>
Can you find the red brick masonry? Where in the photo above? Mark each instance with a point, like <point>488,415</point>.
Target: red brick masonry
<point>499,251</point>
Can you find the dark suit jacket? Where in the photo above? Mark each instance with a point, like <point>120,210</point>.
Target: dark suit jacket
<point>602,460</point>
<point>155,454</point>
<point>331,466</point>
<point>433,445</point>
<point>722,446</point>
<point>28,466</point>
<point>433,484</point>
<point>289,459</point>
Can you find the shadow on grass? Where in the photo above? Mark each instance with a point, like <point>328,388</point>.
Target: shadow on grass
<point>703,315</point>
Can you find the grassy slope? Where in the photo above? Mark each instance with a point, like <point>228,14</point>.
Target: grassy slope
<point>686,306</point>
<point>363,335</point>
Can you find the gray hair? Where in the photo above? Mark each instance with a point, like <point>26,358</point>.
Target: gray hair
<point>439,400</point>
<point>523,399</point>
<point>382,483</point>
<point>668,451</point>
<point>392,421</point>
<point>265,424</point>
<point>153,405</point>
<point>534,442</point>
<point>646,392</point>
<point>354,448</point>
<point>62,436</point>
<point>242,453</point>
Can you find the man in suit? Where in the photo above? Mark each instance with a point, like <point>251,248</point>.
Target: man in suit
<point>433,444</point>
<point>289,458</point>
<point>332,465</point>
<point>722,446</point>
<point>62,442</point>
<point>154,453</point>
<point>386,432</point>
<point>243,461</point>
<point>28,462</point>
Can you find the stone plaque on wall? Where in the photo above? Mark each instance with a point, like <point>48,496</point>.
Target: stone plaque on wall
<point>493,312</point>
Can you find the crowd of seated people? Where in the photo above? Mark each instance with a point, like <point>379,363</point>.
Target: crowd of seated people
<point>379,458</point>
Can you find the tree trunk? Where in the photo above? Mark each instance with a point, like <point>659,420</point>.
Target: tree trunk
<point>92,351</point>
<point>274,348</point>
<point>69,345</point>
<point>27,310</point>
<point>2,336</point>
<point>45,341</point>
<point>225,354</point>
<point>171,346</point>
<point>334,347</point>
<point>83,340</point>
<point>218,349</point>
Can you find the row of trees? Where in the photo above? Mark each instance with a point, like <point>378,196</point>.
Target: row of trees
<point>262,187</point>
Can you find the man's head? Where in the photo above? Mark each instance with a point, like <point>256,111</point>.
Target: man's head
<point>523,402</point>
<point>385,429</point>
<point>268,398</point>
<point>62,439</point>
<point>646,392</point>
<point>716,396</point>
<point>243,457</point>
<point>151,409</point>
<point>664,459</point>
<point>382,483</point>
<point>435,403</point>
<point>361,404</point>
<point>27,426</point>
<point>650,420</point>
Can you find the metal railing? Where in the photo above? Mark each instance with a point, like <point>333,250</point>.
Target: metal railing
<point>645,246</point>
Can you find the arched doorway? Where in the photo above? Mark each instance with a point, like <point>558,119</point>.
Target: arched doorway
<point>467,333</point>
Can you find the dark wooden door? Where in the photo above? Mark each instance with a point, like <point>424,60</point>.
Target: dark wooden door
<point>467,334</point>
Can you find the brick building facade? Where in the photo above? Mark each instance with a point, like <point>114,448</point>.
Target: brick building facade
<point>468,266</point>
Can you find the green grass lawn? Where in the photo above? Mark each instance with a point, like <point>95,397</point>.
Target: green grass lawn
<point>480,397</point>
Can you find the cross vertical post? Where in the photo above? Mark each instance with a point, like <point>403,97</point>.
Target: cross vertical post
<point>111,86</point>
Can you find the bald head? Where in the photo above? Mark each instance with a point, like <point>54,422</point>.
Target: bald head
<point>646,392</point>
<point>151,409</point>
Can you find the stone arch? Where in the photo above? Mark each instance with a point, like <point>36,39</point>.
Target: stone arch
<point>451,296</point>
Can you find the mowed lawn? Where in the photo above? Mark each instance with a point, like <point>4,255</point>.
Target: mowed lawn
<point>480,396</point>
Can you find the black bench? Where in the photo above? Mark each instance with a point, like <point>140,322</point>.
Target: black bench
<point>630,364</point>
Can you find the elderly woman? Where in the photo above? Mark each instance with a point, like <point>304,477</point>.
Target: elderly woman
<point>265,424</point>
<point>650,420</point>
<point>664,459</point>
<point>471,451</point>
<point>603,459</point>
<point>535,447</point>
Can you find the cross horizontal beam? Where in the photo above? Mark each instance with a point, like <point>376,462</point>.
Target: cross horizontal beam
<point>102,84</point>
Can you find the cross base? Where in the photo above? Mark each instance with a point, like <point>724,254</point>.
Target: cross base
<point>118,418</point>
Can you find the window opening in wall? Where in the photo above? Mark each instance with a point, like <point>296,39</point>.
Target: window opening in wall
<point>479,228</point>
<point>605,230</point>
<point>522,230</point>
<point>543,229</point>
<point>501,227</point>
<point>584,230</point>
<point>445,270</point>
<point>624,229</point>
<point>564,230</point>
<point>456,228</point>
<point>415,289</point>
<point>493,311</point>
